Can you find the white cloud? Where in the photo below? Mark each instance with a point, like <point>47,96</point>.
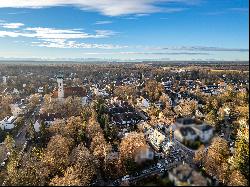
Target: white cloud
<point>205,48</point>
<point>52,33</point>
<point>13,34</point>
<point>11,25</point>
<point>147,53</point>
<point>103,22</point>
<point>62,43</point>
<point>60,38</point>
<point>105,7</point>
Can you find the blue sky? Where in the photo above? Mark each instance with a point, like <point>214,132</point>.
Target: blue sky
<point>126,30</point>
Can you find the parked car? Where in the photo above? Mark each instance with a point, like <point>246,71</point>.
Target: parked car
<point>159,165</point>
<point>125,178</point>
<point>3,164</point>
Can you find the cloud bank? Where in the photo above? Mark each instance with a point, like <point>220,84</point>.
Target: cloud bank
<point>105,7</point>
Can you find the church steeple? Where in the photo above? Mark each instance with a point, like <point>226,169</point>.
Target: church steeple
<point>60,86</point>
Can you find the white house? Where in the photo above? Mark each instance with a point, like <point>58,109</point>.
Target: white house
<point>15,91</point>
<point>189,129</point>
<point>37,126</point>
<point>17,109</point>
<point>84,101</point>
<point>7,123</point>
<point>205,132</point>
<point>4,80</point>
<point>143,103</point>
<point>185,133</point>
<point>156,138</point>
<point>40,90</point>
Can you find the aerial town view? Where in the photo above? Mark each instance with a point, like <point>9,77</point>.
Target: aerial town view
<point>124,93</point>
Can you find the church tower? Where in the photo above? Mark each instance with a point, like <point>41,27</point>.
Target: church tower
<point>4,80</point>
<point>60,86</point>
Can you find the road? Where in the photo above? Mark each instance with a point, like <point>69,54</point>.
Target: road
<point>154,170</point>
<point>20,138</point>
<point>28,118</point>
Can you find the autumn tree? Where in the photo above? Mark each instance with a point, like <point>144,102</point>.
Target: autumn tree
<point>200,155</point>
<point>212,118</point>
<point>217,154</point>
<point>9,143</point>
<point>81,170</point>
<point>237,179</point>
<point>56,155</point>
<point>28,172</point>
<point>128,147</point>
<point>33,101</point>
<point>186,108</point>
<point>241,156</point>
<point>57,127</point>
<point>125,92</point>
<point>153,90</point>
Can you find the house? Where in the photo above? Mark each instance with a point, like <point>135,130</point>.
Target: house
<point>167,146</point>
<point>48,119</point>
<point>156,138</point>
<point>17,109</point>
<point>187,122</point>
<point>205,132</point>
<point>184,175</point>
<point>40,90</point>
<point>8,123</point>
<point>15,91</point>
<point>190,129</point>
<point>143,103</point>
<point>185,134</point>
<point>37,126</point>
<point>143,154</point>
<point>85,101</point>
<point>199,114</point>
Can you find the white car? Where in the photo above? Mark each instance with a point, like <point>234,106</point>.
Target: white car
<point>159,165</point>
<point>125,178</point>
<point>3,164</point>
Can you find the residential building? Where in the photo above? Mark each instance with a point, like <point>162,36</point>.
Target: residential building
<point>8,123</point>
<point>184,175</point>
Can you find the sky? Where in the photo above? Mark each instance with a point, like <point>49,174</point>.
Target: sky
<point>125,29</point>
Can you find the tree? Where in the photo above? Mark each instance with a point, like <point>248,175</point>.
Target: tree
<point>212,118</point>
<point>223,172</point>
<point>56,156</point>
<point>186,108</point>
<point>31,131</point>
<point>237,179</point>
<point>99,147</point>
<point>57,127</point>
<point>43,132</point>
<point>28,173</point>
<point>70,178</point>
<point>200,155</point>
<point>73,126</point>
<point>217,153</point>
<point>81,170</point>
<point>125,92</point>
<point>33,101</point>
<point>128,147</point>
<point>241,156</point>
<point>93,127</point>
<point>9,142</point>
<point>154,90</point>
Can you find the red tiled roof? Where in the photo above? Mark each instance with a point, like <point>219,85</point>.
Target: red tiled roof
<point>72,91</point>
